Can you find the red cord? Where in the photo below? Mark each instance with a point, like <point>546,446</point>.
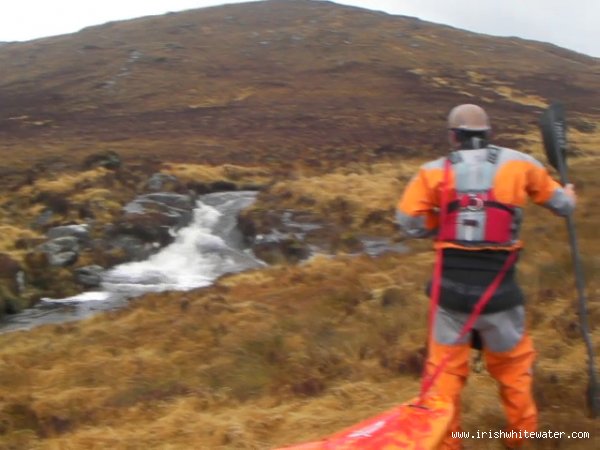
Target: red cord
<point>437,276</point>
<point>429,381</point>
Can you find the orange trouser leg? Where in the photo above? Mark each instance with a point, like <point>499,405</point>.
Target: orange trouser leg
<point>513,371</point>
<point>450,382</point>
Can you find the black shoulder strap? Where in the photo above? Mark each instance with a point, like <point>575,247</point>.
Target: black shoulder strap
<point>454,157</point>
<point>493,154</point>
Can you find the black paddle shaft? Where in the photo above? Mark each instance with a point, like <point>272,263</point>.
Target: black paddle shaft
<point>554,134</point>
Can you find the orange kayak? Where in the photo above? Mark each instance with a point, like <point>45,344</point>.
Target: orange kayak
<point>406,427</point>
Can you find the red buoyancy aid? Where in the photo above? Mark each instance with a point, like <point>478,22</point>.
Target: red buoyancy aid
<point>474,216</point>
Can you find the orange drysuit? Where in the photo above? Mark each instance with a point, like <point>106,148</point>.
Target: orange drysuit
<point>486,191</point>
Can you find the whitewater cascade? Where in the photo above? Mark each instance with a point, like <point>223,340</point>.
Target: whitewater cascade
<point>200,253</point>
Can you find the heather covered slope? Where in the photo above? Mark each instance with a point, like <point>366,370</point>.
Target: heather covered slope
<point>328,110</point>
<point>273,82</point>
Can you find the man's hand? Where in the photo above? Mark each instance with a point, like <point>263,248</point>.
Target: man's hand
<point>570,191</point>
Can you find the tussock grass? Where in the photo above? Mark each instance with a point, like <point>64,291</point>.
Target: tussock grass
<point>360,198</point>
<point>63,183</point>
<point>10,236</point>
<point>249,345</point>
<point>261,359</point>
<point>226,172</point>
<point>290,353</point>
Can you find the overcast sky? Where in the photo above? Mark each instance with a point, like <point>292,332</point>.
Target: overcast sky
<point>569,23</point>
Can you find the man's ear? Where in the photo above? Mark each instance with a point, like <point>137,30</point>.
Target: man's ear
<point>452,140</point>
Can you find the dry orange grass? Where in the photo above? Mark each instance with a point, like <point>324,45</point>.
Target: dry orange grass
<point>233,360</point>
<point>350,196</point>
<point>291,353</point>
<point>225,172</point>
<point>266,358</point>
<point>64,193</point>
<point>63,183</point>
<point>11,235</point>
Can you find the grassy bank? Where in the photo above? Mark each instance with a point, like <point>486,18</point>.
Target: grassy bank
<point>287,353</point>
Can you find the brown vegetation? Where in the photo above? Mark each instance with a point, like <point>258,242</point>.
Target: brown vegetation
<point>328,110</point>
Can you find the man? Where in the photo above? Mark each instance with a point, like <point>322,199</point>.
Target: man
<point>485,188</point>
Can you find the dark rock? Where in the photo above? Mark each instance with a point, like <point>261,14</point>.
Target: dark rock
<point>177,201</point>
<point>89,276</point>
<point>80,232</point>
<point>162,182</point>
<point>151,228</point>
<point>62,251</point>
<point>161,202</point>
<point>198,187</point>
<point>132,247</point>
<point>43,219</point>
<point>108,159</point>
<point>281,251</point>
<point>219,186</point>
<point>151,217</point>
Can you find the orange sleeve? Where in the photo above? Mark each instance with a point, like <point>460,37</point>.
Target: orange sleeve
<point>540,185</point>
<point>420,198</point>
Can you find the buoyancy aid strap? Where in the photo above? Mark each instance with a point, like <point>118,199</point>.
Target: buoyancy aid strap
<point>437,268</point>
<point>492,155</point>
<point>454,158</point>
<point>466,202</point>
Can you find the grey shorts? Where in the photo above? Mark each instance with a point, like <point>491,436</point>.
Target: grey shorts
<point>499,331</point>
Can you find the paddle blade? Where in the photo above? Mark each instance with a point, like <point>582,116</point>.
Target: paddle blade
<point>554,135</point>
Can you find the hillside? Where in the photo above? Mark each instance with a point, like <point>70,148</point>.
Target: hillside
<point>327,110</point>
<point>273,82</point>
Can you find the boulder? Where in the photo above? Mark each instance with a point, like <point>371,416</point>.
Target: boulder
<point>163,182</point>
<point>176,209</point>
<point>45,279</point>
<point>283,250</point>
<point>125,246</point>
<point>177,201</point>
<point>89,276</point>
<point>80,232</point>
<point>61,251</point>
<point>108,159</point>
<point>43,219</point>
<point>151,219</point>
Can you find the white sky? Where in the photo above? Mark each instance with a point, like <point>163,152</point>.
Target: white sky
<point>571,24</point>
